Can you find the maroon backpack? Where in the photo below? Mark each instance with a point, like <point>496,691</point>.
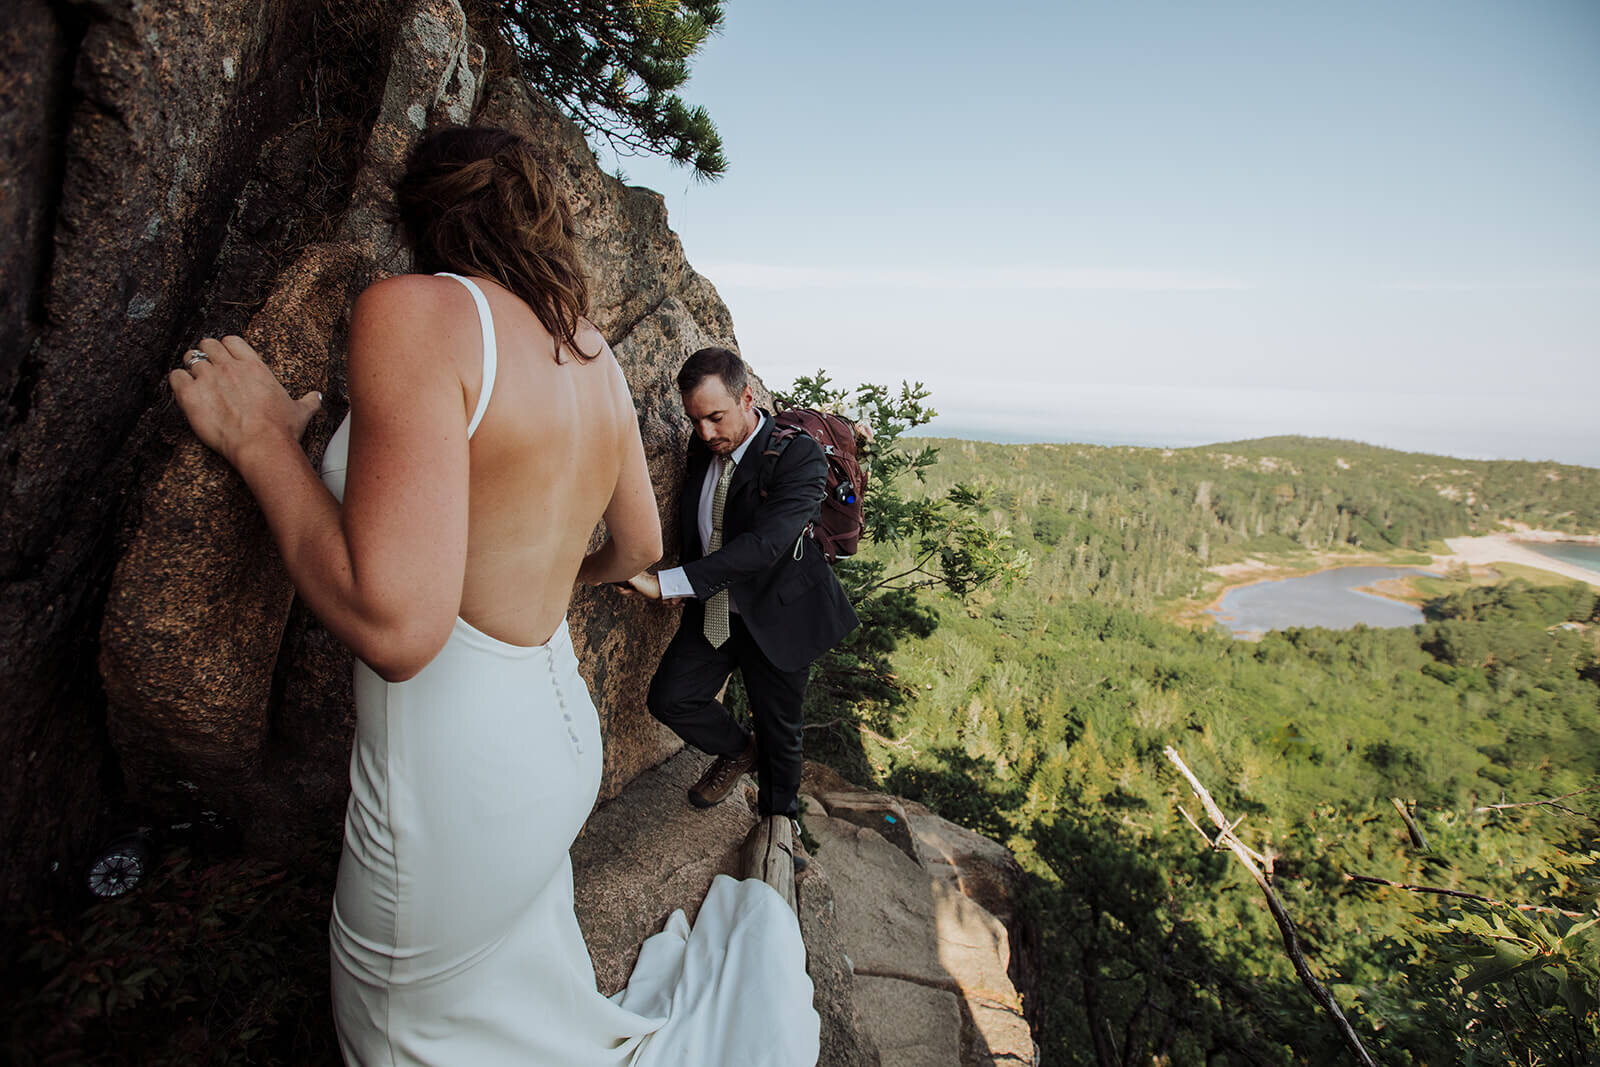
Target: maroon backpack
<point>838,527</point>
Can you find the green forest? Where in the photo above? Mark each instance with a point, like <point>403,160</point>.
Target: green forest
<point>1035,708</point>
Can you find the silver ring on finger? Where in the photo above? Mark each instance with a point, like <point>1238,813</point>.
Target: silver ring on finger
<point>193,356</point>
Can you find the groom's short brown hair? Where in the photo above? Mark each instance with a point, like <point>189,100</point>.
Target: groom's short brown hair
<point>722,362</point>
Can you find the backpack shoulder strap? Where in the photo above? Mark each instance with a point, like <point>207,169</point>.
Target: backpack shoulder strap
<point>777,443</point>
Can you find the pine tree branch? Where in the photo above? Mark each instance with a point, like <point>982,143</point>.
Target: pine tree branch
<point>1291,940</point>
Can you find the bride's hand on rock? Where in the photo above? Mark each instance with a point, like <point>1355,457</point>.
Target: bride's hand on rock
<point>233,399</point>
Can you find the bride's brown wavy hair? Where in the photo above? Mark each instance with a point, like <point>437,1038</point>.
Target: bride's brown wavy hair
<point>476,200</point>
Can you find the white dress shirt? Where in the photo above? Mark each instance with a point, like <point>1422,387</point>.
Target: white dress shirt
<point>674,583</point>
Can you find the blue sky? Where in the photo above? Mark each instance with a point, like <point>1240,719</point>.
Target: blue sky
<point>1168,223</point>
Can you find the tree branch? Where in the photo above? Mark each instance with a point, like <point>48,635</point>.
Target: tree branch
<point>1291,941</point>
<point>903,742</point>
<point>916,568</point>
<point>1550,803</point>
<point>1411,824</point>
<point>1368,879</point>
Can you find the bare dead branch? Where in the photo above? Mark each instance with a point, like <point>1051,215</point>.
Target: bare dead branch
<point>903,742</point>
<point>1263,858</point>
<point>1291,940</point>
<point>1368,879</point>
<point>1551,802</point>
<point>1207,837</point>
<point>1411,824</point>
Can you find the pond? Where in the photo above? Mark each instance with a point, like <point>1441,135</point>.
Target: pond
<point>1330,598</point>
<point>1578,553</point>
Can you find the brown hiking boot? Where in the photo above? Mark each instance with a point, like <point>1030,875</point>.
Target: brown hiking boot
<point>721,776</point>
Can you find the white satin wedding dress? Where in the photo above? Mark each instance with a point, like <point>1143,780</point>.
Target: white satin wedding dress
<point>454,940</point>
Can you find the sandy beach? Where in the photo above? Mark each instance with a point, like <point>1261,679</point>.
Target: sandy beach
<point>1490,549</point>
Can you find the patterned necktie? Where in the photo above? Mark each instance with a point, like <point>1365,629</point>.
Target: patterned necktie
<point>716,620</point>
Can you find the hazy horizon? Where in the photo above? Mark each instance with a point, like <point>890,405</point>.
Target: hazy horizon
<point>945,430</point>
<point>1168,223</point>
<point>1162,417</point>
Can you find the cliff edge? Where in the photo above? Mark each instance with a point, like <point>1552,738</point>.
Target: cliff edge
<point>909,920</point>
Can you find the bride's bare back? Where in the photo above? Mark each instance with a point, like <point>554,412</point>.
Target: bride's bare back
<point>494,529</point>
<point>557,450</point>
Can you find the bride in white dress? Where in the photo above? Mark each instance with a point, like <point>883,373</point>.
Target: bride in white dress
<point>490,429</point>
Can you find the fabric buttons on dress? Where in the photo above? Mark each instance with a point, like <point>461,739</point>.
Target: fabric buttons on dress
<point>561,700</point>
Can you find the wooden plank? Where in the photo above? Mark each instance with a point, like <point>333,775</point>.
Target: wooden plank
<point>768,854</point>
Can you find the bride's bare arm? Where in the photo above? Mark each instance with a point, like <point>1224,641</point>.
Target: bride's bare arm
<point>384,573</point>
<point>633,525</point>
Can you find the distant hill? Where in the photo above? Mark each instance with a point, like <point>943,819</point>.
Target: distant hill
<point>1145,524</point>
<point>1317,492</point>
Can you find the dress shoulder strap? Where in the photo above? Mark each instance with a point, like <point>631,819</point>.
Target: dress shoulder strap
<point>490,357</point>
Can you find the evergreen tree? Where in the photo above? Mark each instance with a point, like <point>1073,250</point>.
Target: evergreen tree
<point>924,540</point>
<point>613,65</point>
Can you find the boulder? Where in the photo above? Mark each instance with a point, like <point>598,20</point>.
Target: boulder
<point>129,132</point>
<point>884,815</point>
<point>985,871</point>
<point>845,1041</point>
<point>196,616</point>
<point>975,866</point>
<point>913,1025</point>
<point>646,853</point>
<point>923,951</point>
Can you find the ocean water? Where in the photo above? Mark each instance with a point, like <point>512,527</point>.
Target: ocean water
<point>1328,598</point>
<point>1580,555</point>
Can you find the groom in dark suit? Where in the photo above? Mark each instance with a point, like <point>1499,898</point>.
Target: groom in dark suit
<point>759,595</point>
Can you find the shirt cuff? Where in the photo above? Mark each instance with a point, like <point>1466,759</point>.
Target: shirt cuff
<point>674,583</point>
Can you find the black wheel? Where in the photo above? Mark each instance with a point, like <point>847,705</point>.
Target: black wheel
<point>120,866</point>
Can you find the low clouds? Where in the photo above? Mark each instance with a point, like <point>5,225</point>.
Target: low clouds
<point>956,279</point>
<point>1546,285</point>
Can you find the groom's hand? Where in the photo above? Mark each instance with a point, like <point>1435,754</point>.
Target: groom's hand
<point>644,583</point>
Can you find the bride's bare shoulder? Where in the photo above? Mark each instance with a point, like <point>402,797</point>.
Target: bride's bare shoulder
<point>591,342</point>
<point>411,300</point>
<point>414,314</point>
<point>410,285</point>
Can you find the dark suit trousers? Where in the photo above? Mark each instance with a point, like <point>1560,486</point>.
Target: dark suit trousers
<point>683,695</point>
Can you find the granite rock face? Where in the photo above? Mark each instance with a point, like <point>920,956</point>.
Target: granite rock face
<point>173,170</point>
<point>643,855</point>
<point>845,1040</point>
<point>918,906</point>
<point>129,132</point>
<point>199,603</point>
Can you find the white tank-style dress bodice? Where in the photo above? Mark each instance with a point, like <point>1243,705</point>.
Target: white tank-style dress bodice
<point>454,940</point>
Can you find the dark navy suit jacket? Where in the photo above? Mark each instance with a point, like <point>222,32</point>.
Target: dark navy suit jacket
<point>784,589</point>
